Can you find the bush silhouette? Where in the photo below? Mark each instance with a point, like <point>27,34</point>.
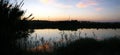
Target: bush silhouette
<point>11,15</point>
<point>12,20</point>
<point>12,25</point>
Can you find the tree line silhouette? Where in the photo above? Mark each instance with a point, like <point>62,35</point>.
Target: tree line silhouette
<point>72,25</point>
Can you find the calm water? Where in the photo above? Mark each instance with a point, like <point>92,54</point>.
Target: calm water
<point>41,36</point>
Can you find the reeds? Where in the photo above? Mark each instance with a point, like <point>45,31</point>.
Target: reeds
<point>75,44</point>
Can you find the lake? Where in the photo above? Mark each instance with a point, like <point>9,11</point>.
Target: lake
<point>41,36</point>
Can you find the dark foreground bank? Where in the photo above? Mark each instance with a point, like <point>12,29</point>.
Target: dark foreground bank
<point>82,46</point>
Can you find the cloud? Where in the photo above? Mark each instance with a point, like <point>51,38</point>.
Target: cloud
<point>89,3</point>
<point>55,3</point>
<point>81,5</point>
<point>92,2</point>
<point>98,9</point>
<point>44,1</point>
<point>47,1</point>
<point>62,5</point>
<point>86,3</point>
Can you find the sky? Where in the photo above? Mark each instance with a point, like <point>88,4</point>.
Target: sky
<point>82,10</point>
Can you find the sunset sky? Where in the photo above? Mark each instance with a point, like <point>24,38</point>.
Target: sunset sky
<point>88,10</point>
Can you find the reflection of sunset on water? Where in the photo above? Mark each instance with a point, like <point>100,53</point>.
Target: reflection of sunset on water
<point>47,47</point>
<point>47,40</point>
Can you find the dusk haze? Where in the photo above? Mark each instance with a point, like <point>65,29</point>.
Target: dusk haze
<point>60,27</point>
<point>81,10</point>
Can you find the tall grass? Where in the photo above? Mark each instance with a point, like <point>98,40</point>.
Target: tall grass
<point>74,44</point>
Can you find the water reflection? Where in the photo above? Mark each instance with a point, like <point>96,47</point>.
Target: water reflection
<point>53,33</point>
<point>47,39</point>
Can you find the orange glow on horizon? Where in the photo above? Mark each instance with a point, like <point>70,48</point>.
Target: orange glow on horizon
<point>88,10</point>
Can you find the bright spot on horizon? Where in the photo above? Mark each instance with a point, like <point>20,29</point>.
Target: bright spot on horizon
<point>83,10</point>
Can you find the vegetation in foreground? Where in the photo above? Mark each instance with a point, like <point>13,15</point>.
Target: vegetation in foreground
<point>12,24</point>
<point>80,46</point>
<point>88,46</point>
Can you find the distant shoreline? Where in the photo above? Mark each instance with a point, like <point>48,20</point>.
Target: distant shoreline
<point>72,25</point>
